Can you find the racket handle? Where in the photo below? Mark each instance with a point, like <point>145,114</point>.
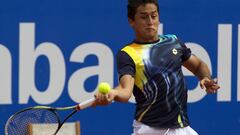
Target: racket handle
<point>85,104</point>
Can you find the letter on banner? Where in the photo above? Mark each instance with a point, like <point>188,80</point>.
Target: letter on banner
<point>224,62</point>
<point>5,76</point>
<point>28,56</point>
<point>104,69</point>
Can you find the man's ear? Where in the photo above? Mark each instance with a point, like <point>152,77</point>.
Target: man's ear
<point>130,21</point>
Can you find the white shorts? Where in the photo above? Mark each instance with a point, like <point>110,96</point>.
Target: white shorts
<point>142,129</point>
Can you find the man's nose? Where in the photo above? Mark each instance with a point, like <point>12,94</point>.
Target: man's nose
<point>150,20</point>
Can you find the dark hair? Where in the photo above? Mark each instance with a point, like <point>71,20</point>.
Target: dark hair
<point>134,4</point>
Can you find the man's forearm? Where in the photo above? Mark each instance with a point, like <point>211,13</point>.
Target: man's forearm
<point>122,95</point>
<point>202,71</point>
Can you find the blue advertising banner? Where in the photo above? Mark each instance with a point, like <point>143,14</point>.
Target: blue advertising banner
<point>56,52</point>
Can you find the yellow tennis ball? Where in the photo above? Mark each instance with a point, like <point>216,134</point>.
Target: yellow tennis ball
<point>104,88</point>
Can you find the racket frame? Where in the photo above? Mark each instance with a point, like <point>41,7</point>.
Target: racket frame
<point>76,108</point>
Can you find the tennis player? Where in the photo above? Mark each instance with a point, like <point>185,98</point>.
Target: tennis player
<point>150,68</point>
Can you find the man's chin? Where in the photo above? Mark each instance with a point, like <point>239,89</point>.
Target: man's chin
<point>152,35</point>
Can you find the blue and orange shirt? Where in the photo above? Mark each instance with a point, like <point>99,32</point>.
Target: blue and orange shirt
<point>160,90</point>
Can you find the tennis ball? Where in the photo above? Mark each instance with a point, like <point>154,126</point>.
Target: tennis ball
<point>104,88</point>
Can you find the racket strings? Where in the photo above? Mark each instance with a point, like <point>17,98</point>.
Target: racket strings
<point>21,123</point>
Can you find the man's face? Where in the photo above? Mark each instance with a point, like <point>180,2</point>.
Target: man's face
<point>145,23</point>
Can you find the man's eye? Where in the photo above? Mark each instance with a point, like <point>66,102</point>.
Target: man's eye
<point>154,16</point>
<point>143,17</point>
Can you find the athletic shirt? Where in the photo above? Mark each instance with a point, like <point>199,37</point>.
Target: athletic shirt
<point>159,88</point>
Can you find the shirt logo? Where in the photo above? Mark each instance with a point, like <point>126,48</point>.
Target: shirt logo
<point>174,51</point>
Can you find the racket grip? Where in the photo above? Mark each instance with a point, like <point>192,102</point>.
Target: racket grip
<point>86,104</point>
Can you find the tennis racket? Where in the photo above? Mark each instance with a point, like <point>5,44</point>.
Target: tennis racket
<point>20,122</point>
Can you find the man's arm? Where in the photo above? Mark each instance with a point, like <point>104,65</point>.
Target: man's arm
<point>201,70</point>
<point>124,89</point>
<point>121,93</point>
<point>197,67</point>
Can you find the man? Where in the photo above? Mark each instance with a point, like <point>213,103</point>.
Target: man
<point>150,68</point>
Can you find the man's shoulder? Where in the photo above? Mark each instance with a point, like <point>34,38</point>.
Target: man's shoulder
<point>126,46</point>
<point>121,50</point>
<point>168,36</point>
